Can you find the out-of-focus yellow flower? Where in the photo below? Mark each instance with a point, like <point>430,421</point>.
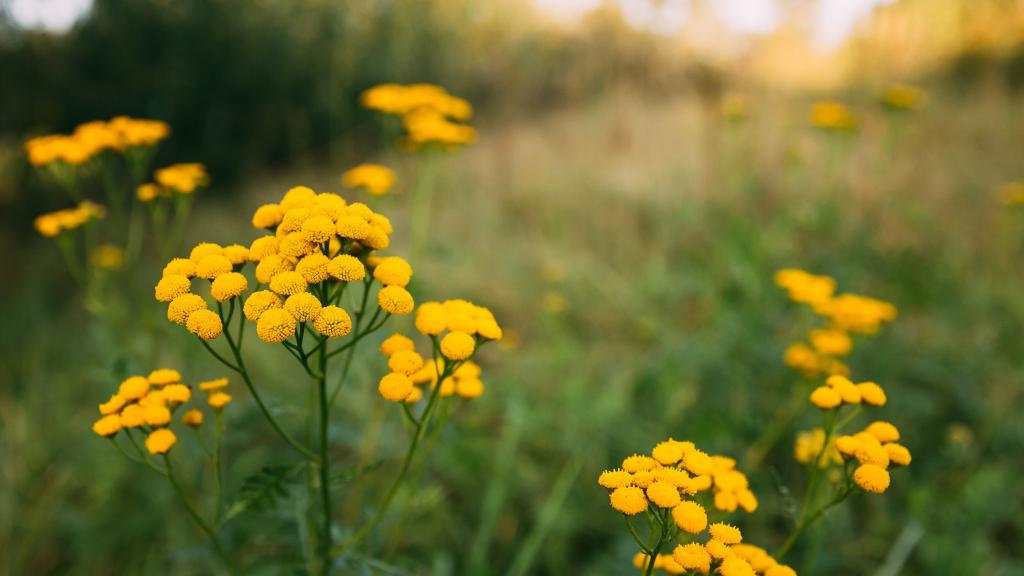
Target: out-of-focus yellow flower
<point>108,257</point>
<point>831,342</point>
<point>425,125</point>
<point>92,138</point>
<point>182,178</point>
<point>376,179</point>
<point>805,287</point>
<point>855,313</point>
<point>193,418</point>
<point>831,115</point>
<point>734,107</point>
<point>402,99</point>
<point>53,223</point>
<point>904,97</point>
<point>160,441</point>
<point>810,444</point>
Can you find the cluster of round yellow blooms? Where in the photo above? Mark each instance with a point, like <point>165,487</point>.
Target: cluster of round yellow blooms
<point>180,178</point>
<point>723,548</point>
<point>675,471</point>
<point>846,314</point>
<point>376,179</point>
<point>810,444</point>
<point>831,115</point>
<point>1011,193</point>
<point>904,97</point>
<point>429,113</point>
<point>53,223</point>
<point>92,138</point>
<point>410,374</point>
<point>839,390</point>
<point>875,449</point>
<point>148,404</point>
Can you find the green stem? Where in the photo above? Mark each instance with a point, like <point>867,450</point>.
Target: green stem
<point>325,488</point>
<point>636,537</point>
<point>807,522</point>
<point>217,473</point>
<point>210,532</point>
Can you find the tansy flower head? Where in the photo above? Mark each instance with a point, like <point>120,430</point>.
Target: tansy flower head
<point>469,387</point>
<point>690,517</point>
<point>395,343</point>
<point>318,229</point>
<point>260,248</point>
<point>457,346</point>
<point>218,400</point>
<point>346,268</point>
<point>669,451</point>
<point>871,478</point>
<point>353,227</point>
<point>297,196</point>
<point>205,323</point>
<point>270,266</point>
<point>303,306</point>
<point>213,265</point>
<point>884,431</point>
<point>164,376</point>
<point>133,416</point>
<point>697,462</point>
<point>333,321</point>
<point>259,302</point>
<point>267,216</point>
<point>612,479</point>
<point>726,533</point>
<point>663,494</point>
<point>288,283</point>
<point>735,566</point>
<point>213,385</point>
<point>826,398</point>
<point>177,393</point>
<point>236,254</point>
<point>133,388</point>
<point>395,387</point>
<point>107,425</point>
<point>113,405</point>
<point>393,271</point>
<point>405,362</point>
<point>638,462</point>
<point>430,318</point>
<point>171,286</point>
<point>160,441</point>
<point>718,549</point>
<point>228,286</point>
<point>395,300</point>
<point>193,418</point>
<point>275,326</point>
<point>692,556</point>
<point>156,415</point>
<point>629,500</point>
<point>871,393</point>
<point>375,178</point>
<point>313,268</point>
<point>181,266</point>
<point>779,570</point>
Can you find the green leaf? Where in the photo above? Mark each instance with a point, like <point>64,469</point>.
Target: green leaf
<point>263,489</point>
<point>345,476</point>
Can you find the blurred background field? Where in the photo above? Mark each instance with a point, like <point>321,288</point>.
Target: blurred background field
<point>635,185</point>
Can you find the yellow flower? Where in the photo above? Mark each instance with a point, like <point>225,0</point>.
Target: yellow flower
<point>177,393</point>
<point>193,418</point>
<point>133,388</point>
<point>663,494</point>
<point>313,268</point>
<point>352,226</point>
<point>747,500</point>
<point>825,398</point>
<point>871,393</point>
<point>113,405</point>
<point>692,556</point>
<point>164,376</point>
<point>871,478</point>
<point>375,178</point>
<point>430,318</point>
<point>171,286</point>
<point>297,196</point>
<point>393,271</point>
<point>697,462</point>
<point>395,387</point>
<point>267,216</point>
<point>904,97</point>
<point>469,387</point>
<point>156,415</point>
<point>612,479</point>
<point>318,229</point>
<point>132,416</point>
<point>725,533</point>
<point>236,254</point>
<point>718,549</point>
<point>212,265</point>
<point>457,346</point>
<point>899,455</point>
<point>805,287</point>
<point>228,286</point>
<point>182,306</point>
<point>182,266</point>
<point>203,249</point>
<point>690,517</point>
<point>833,116</point>
<point>780,570</point>
<point>182,178</point>
<point>346,268</point>
<point>884,431</point>
<point>405,362</point>
<point>107,425</point>
<point>212,385</point>
<point>831,342</point>
<point>395,300</point>
<point>847,390</point>
<point>260,248</point>
<point>288,283</point>
<point>735,566</point>
<point>160,441</point>
<point>108,257</point>
<point>259,302</point>
<point>638,462</point>
<point>1009,193</point>
<point>395,343</point>
<point>629,500</point>
<point>303,306</point>
<point>205,323</point>
<point>275,325</point>
<point>726,501</point>
<point>670,451</point>
<point>218,400</point>
<point>332,322</point>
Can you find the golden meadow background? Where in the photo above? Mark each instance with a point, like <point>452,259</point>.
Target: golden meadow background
<point>622,229</point>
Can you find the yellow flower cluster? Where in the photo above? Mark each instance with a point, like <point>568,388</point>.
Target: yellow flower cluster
<point>180,178</point>
<point>677,470</point>
<point>839,390</point>
<point>846,314</point>
<point>739,559</point>
<point>92,138</point>
<point>53,223</point>
<point>457,328</point>
<point>904,97</point>
<point>429,113</point>
<point>830,115</point>
<point>810,444</point>
<point>875,449</point>
<point>376,179</point>
<point>148,403</point>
